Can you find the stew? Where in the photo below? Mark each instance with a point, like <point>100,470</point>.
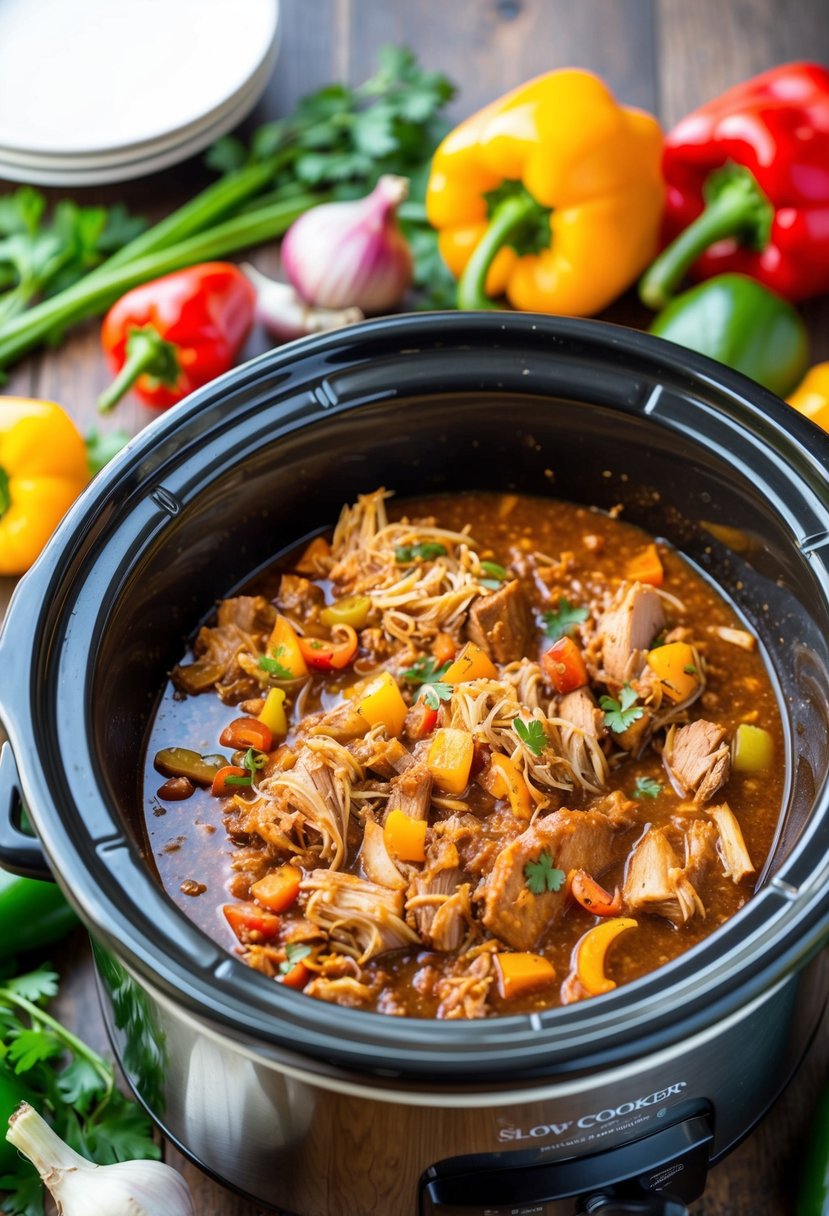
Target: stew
<point>470,755</point>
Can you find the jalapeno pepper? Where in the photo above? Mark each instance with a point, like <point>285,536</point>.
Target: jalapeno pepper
<point>170,336</point>
<point>33,914</point>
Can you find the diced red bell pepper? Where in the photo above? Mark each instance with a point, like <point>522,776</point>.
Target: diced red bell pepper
<point>251,924</point>
<point>247,732</point>
<point>564,665</point>
<point>332,655</point>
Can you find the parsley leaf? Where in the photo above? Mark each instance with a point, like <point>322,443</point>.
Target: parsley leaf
<point>621,714</point>
<point>646,787</point>
<point>541,875</point>
<point>426,552</point>
<point>532,734</point>
<point>424,671</point>
<point>296,952</point>
<point>433,694</point>
<point>37,985</point>
<point>271,664</point>
<point>563,621</point>
<point>30,1047</point>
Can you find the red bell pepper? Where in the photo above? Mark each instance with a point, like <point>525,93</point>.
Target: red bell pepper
<point>748,187</point>
<point>170,336</point>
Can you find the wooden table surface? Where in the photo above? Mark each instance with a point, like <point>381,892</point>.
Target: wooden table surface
<point>664,55</point>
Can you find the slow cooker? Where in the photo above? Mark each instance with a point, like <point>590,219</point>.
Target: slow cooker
<point>618,1104</point>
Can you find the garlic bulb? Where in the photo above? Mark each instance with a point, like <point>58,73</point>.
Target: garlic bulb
<point>81,1188</point>
<point>351,254</point>
<point>281,310</point>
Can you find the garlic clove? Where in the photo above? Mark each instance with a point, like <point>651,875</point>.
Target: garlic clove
<point>285,315</point>
<point>81,1188</point>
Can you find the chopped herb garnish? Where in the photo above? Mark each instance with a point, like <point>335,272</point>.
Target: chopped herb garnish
<point>690,669</point>
<point>621,714</point>
<point>253,761</point>
<point>433,694</point>
<point>532,734</point>
<point>296,952</point>
<point>562,623</point>
<point>497,575</point>
<point>271,664</point>
<point>247,782</point>
<point>424,671</point>
<point>646,787</point>
<point>541,875</point>
<point>425,552</point>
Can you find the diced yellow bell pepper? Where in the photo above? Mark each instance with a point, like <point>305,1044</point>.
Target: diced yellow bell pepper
<point>383,703</point>
<point>405,838</point>
<point>471,664</point>
<point>504,779</point>
<point>353,611</point>
<point>752,750</point>
<point>675,666</point>
<point>449,759</point>
<point>273,712</point>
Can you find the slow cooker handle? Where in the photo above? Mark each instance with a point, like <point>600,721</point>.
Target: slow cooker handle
<point>651,1205</point>
<point>20,852</point>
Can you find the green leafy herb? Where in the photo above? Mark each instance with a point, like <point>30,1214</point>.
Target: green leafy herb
<point>254,760</point>
<point>271,664</point>
<point>690,669</point>
<point>497,575</point>
<point>433,694</point>
<point>424,671</point>
<point>563,621</point>
<point>296,952</point>
<point>542,876</point>
<point>70,1081</point>
<point>532,734</point>
<point>237,779</point>
<point>621,714</point>
<point>425,552</point>
<point>646,787</point>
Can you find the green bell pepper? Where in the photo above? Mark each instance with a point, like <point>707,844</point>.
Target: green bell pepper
<point>13,1091</point>
<point>33,914</point>
<point>736,320</point>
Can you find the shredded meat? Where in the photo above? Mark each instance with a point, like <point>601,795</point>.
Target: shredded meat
<point>362,918</point>
<point>411,792</point>
<point>242,627</point>
<point>697,759</point>
<point>299,597</point>
<point>627,629</point>
<point>438,898</point>
<point>580,709</point>
<point>657,882</point>
<point>501,623</point>
<point>736,862</point>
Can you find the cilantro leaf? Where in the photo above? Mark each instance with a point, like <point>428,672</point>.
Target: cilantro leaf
<point>296,952</point>
<point>497,575</point>
<point>31,1047</point>
<point>425,552</point>
<point>38,985</point>
<point>271,664</point>
<point>22,1191</point>
<point>541,876</point>
<point>424,670</point>
<point>532,734</point>
<point>80,1084</point>
<point>433,694</point>
<point>646,787</point>
<point>563,621</point>
<point>622,713</point>
<point>122,1134</point>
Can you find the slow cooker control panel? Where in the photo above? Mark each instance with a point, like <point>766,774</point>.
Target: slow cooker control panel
<point>655,1176</point>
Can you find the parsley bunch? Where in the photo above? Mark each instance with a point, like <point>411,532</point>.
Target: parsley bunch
<point>68,1083</point>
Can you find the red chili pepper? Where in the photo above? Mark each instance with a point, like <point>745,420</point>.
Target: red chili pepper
<point>748,187</point>
<point>564,665</point>
<point>170,336</point>
<point>330,655</point>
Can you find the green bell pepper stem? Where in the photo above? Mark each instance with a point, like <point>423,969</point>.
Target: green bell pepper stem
<point>147,354</point>
<point>739,322</point>
<point>33,914</point>
<point>506,219</point>
<point>736,207</point>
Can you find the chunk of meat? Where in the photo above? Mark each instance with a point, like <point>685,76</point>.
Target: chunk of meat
<point>361,918</point>
<point>627,628</point>
<point>464,994</point>
<point>299,597</point>
<point>411,792</point>
<point>438,897</point>
<point>579,708</point>
<point>501,623</point>
<point>656,882</point>
<point>697,759</point>
<point>344,723</point>
<point>243,624</point>
<point>736,862</point>
<point>386,757</point>
<point>573,840</point>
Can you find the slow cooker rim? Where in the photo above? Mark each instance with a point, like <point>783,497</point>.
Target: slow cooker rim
<point>172,424</point>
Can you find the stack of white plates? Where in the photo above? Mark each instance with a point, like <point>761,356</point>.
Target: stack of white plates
<point>96,91</point>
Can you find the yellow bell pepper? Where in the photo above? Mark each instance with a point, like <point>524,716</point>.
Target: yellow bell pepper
<point>383,703</point>
<point>811,397</point>
<point>43,468</point>
<point>551,195</point>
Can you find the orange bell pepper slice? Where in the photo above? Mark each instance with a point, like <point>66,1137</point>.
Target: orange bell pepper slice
<point>592,896</point>
<point>472,663</point>
<point>405,838</point>
<point>591,952</point>
<point>522,972</point>
<point>646,567</point>
<point>247,732</point>
<point>279,889</point>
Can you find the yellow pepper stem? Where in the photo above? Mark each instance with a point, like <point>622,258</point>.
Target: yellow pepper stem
<point>508,217</point>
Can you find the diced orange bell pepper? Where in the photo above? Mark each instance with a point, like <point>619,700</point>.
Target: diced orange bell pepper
<point>242,733</point>
<point>404,837</point>
<point>250,923</point>
<point>646,567</point>
<point>676,667</point>
<point>449,759</point>
<point>309,563</point>
<point>504,779</point>
<point>591,951</point>
<point>444,648</point>
<point>277,890</point>
<point>297,977</point>
<point>521,972</point>
<point>565,666</point>
<point>382,702</point>
<point>472,663</point>
<point>284,653</point>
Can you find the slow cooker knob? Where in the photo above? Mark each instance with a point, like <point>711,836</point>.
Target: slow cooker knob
<point>655,1205</point>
